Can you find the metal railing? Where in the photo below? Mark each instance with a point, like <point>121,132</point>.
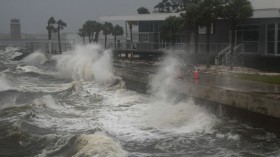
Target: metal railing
<point>183,47</point>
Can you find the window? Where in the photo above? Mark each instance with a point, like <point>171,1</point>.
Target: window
<point>270,38</point>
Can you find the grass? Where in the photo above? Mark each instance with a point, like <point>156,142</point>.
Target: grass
<point>259,78</point>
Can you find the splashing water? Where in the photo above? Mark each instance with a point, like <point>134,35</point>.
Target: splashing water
<point>36,58</point>
<point>168,112</point>
<point>86,63</point>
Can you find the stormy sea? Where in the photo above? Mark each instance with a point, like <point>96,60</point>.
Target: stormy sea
<point>73,105</point>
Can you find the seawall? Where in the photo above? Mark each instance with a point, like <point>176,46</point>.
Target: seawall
<point>259,107</point>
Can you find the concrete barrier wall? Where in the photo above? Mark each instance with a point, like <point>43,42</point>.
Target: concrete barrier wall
<point>253,102</point>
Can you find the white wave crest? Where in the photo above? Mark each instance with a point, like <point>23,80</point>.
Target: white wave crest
<point>98,144</point>
<point>48,102</point>
<point>184,117</point>
<point>4,85</point>
<point>10,53</point>
<point>31,69</point>
<point>36,58</point>
<point>168,112</point>
<point>88,63</point>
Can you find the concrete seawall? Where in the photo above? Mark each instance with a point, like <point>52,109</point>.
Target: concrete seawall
<point>258,103</point>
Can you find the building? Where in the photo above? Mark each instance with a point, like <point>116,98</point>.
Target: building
<point>15,29</point>
<point>257,37</point>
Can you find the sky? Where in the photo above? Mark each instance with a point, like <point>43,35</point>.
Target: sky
<point>34,14</point>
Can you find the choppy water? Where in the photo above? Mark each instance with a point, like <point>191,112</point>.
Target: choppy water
<point>72,105</point>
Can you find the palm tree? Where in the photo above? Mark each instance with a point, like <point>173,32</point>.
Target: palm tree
<point>60,25</point>
<point>210,12</point>
<point>50,28</point>
<point>171,28</point>
<point>192,20</point>
<point>117,30</point>
<point>143,10</point>
<point>97,28</point>
<point>89,30</point>
<point>236,11</point>
<point>107,29</point>
<point>82,33</point>
<point>130,24</point>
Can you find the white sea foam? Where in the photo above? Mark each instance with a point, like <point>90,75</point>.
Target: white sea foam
<point>4,85</point>
<point>86,62</point>
<point>36,58</point>
<point>10,53</point>
<point>48,102</point>
<point>170,114</point>
<point>31,69</point>
<point>183,117</point>
<point>98,144</point>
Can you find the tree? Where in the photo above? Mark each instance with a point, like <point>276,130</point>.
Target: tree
<point>89,29</point>
<point>171,28</point>
<point>117,31</point>
<point>171,6</point>
<point>210,10</point>
<point>60,26</point>
<point>143,10</point>
<point>107,29</point>
<point>82,33</point>
<point>192,19</point>
<point>236,11</point>
<point>50,27</point>
<point>130,24</point>
<point>97,28</point>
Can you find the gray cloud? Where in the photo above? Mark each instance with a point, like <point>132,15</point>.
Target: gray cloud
<point>35,13</point>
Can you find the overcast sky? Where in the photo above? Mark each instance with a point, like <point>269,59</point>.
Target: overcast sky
<point>35,13</point>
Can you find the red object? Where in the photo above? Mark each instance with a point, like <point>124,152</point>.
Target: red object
<point>196,76</point>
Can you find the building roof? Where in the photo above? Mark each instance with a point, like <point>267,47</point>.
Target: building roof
<point>266,13</point>
<point>258,13</point>
<point>140,17</point>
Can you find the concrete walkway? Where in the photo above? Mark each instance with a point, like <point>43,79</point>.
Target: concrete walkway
<point>220,81</point>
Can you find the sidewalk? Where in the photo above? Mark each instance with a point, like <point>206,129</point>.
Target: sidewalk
<point>215,80</point>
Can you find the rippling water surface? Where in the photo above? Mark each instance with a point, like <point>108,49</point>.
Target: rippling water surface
<point>73,105</point>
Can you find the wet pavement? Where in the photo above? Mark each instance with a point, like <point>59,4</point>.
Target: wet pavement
<point>215,80</point>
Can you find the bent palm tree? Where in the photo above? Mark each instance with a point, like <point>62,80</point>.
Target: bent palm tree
<point>60,25</point>
<point>131,23</point>
<point>118,30</point>
<point>107,29</point>
<point>82,33</point>
<point>50,28</point>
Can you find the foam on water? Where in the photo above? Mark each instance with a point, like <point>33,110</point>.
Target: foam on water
<point>183,117</point>
<point>33,69</point>
<point>48,102</point>
<point>98,144</point>
<point>4,85</point>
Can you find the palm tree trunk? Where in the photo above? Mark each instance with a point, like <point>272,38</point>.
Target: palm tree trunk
<point>96,37</point>
<point>115,41</point>
<point>208,31</point>
<point>196,38</point>
<point>105,41</point>
<point>89,40</point>
<point>59,44</point>
<point>84,40</point>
